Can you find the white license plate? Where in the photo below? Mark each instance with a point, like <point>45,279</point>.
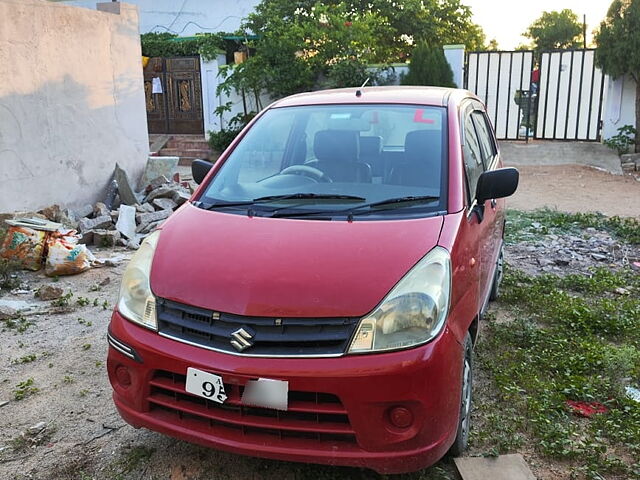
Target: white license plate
<point>267,393</point>
<point>205,384</point>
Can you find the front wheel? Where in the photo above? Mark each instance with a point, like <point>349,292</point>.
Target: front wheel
<point>497,276</point>
<point>462,435</point>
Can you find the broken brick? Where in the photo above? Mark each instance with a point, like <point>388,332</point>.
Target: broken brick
<point>102,221</point>
<point>165,204</point>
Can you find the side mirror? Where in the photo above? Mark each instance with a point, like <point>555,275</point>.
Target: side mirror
<point>199,170</point>
<point>496,184</point>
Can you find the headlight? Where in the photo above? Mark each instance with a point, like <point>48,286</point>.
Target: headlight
<point>136,301</point>
<point>415,310</point>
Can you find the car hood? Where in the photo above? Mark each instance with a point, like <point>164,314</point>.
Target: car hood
<point>285,267</point>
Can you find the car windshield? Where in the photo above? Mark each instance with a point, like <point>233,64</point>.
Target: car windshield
<point>337,159</point>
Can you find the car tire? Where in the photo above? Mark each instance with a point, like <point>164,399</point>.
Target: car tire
<point>464,422</point>
<point>497,276</point>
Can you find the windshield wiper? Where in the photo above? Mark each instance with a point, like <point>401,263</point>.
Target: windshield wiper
<point>398,200</point>
<point>311,196</point>
<point>364,209</point>
<point>273,198</point>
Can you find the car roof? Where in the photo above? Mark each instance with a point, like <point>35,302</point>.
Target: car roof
<point>436,96</point>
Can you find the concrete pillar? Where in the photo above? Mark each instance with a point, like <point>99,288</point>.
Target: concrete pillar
<point>455,56</point>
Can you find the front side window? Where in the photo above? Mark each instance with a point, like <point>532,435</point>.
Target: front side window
<point>369,160</point>
<point>485,137</point>
<point>473,157</point>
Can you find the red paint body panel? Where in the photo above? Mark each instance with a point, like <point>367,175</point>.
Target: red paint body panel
<point>285,267</point>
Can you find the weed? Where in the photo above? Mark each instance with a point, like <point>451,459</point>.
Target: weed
<point>528,225</point>
<point>25,389</point>
<point>68,379</point>
<point>571,340</point>
<point>28,440</point>
<point>50,365</point>
<point>84,392</point>
<point>95,302</point>
<point>98,363</point>
<point>63,301</point>
<point>8,268</point>
<point>25,359</point>
<point>86,346</point>
<point>105,305</point>
<point>95,288</point>
<point>83,301</point>
<point>84,322</point>
<point>20,324</point>
<point>134,457</point>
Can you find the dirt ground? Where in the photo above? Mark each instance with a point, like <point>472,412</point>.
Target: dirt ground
<point>575,188</point>
<point>64,355</point>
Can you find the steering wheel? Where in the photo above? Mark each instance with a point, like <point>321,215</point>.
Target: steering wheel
<point>307,171</point>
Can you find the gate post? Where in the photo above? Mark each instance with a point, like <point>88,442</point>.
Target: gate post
<point>455,57</point>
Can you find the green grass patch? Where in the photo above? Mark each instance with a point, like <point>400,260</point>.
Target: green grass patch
<point>522,226</point>
<point>25,389</point>
<point>572,338</point>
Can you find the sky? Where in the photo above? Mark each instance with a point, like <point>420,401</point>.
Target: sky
<point>506,20</point>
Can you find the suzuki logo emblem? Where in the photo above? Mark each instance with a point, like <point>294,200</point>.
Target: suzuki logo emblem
<point>241,339</point>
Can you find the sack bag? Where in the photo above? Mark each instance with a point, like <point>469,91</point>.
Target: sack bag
<point>24,245</point>
<point>65,256</point>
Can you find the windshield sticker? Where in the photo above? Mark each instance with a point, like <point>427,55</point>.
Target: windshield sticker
<point>419,117</point>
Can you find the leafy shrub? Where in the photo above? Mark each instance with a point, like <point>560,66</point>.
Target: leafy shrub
<point>166,44</point>
<point>220,140</point>
<point>623,140</point>
<point>429,66</point>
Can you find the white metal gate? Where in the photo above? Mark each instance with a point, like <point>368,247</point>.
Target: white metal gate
<point>503,81</point>
<point>558,99</point>
<point>570,96</point>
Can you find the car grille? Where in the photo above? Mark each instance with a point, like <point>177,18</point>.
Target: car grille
<point>271,336</point>
<point>311,416</point>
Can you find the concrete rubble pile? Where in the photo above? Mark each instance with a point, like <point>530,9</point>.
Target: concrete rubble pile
<point>57,239</point>
<point>124,222</point>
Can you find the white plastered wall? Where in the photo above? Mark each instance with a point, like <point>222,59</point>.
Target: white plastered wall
<point>71,102</point>
<point>619,106</point>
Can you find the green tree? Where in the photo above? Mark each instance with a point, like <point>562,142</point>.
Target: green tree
<point>429,66</point>
<point>307,44</point>
<point>493,45</point>
<point>618,47</point>
<point>556,30</point>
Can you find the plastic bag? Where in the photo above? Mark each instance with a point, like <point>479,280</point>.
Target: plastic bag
<point>65,256</point>
<point>25,245</point>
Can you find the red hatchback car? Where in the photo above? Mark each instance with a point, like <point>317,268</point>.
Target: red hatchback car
<point>318,298</point>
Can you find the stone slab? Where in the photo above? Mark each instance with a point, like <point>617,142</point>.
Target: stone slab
<point>503,467</point>
<point>156,167</point>
<point>127,196</point>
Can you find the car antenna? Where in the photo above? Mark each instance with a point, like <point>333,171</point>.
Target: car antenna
<point>359,91</point>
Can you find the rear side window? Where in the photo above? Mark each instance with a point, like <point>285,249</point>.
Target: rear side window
<point>473,159</point>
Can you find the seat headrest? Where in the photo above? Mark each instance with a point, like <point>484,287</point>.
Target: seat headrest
<point>370,146</point>
<point>422,143</point>
<point>336,145</point>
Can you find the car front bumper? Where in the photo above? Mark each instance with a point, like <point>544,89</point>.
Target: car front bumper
<point>339,409</point>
